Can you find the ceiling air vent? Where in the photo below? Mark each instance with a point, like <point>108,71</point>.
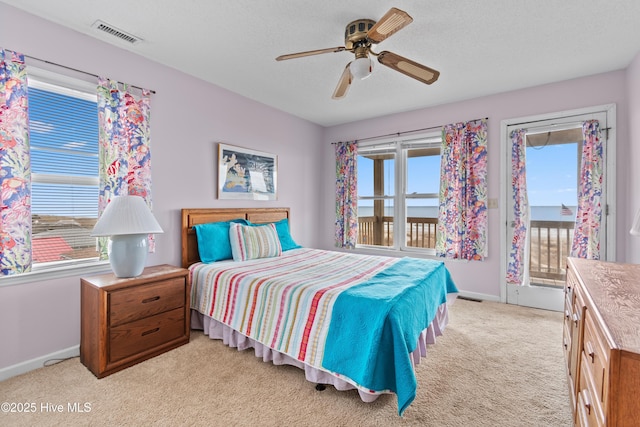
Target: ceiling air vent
<point>115,32</point>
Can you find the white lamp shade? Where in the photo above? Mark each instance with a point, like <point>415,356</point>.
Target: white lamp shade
<point>126,215</point>
<point>635,227</point>
<point>361,67</point>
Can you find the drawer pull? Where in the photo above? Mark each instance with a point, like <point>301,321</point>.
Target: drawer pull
<point>587,402</point>
<point>567,314</point>
<point>576,319</point>
<point>590,352</point>
<point>151,331</point>
<point>152,299</point>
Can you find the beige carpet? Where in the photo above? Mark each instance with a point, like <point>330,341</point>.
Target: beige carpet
<point>496,365</point>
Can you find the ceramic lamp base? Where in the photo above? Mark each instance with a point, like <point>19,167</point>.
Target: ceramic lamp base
<point>128,254</point>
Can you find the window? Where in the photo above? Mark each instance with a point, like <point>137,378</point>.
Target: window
<point>63,127</point>
<point>398,187</point>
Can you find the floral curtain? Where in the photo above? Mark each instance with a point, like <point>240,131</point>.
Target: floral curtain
<point>125,160</point>
<point>346,194</point>
<point>586,238</point>
<point>519,247</point>
<point>15,169</point>
<point>462,220</point>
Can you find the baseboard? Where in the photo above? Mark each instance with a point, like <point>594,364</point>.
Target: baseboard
<point>38,362</point>
<point>478,296</point>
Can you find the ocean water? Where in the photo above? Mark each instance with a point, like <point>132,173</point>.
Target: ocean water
<point>538,213</point>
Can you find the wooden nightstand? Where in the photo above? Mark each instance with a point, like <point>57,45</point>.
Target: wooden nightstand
<point>126,321</point>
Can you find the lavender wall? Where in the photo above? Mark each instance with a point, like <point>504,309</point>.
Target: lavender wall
<point>632,166</point>
<point>189,117</point>
<point>484,277</point>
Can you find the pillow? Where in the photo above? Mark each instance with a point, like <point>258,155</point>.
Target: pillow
<point>282,227</point>
<point>254,241</point>
<point>213,240</point>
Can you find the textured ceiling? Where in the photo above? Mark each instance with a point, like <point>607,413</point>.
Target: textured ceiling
<point>480,47</point>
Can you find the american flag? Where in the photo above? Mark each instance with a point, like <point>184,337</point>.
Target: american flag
<point>565,210</point>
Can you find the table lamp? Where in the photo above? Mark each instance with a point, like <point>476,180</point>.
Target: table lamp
<point>128,221</point>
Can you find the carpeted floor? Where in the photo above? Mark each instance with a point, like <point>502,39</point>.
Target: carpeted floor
<point>496,365</point>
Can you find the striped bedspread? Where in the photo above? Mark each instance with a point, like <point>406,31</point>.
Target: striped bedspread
<point>286,302</point>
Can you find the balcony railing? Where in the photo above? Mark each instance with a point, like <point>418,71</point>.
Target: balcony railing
<point>421,232</point>
<point>549,248</point>
<point>550,242</point>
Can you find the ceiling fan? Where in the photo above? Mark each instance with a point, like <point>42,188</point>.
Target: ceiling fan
<point>359,36</point>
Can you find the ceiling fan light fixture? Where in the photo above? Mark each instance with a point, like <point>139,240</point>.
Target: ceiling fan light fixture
<point>359,36</point>
<point>361,68</point>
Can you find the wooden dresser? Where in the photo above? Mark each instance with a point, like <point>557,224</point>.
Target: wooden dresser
<point>602,342</point>
<point>126,321</point>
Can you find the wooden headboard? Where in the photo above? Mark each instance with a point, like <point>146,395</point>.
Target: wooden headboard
<point>191,217</point>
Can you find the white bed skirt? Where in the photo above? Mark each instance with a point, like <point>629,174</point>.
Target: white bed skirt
<point>232,338</point>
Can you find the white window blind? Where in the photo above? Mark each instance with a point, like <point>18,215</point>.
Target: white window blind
<point>63,124</point>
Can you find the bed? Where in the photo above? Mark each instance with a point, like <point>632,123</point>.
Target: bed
<point>349,320</point>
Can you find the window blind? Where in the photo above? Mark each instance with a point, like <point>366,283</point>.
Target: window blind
<point>63,128</point>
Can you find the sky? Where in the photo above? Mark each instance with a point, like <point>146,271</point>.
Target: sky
<point>552,173</point>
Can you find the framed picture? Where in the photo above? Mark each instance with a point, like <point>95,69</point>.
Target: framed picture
<point>245,174</point>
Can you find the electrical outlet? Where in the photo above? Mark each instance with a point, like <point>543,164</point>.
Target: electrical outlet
<point>493,203</point>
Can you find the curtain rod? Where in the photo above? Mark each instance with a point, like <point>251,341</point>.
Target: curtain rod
<point>79,71</point>
<point>407,131</point>
<point>577,116</point>
<point>554,127</point>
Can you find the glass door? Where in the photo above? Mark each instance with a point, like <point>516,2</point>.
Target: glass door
<point>541,207</point>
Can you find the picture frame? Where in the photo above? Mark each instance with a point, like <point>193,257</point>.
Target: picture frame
<point>245,174</point>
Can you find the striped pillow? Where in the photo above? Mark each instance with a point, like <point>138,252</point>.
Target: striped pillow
<point>251,242</point>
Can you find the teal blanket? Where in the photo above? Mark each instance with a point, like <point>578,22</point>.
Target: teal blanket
<point>375,325</point>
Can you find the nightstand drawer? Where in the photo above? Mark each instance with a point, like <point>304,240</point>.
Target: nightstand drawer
<point>145,334</point>
<point>138,302</point>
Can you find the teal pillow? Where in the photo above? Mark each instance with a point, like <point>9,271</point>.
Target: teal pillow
<point>213,240</point>
<point>286,241</point>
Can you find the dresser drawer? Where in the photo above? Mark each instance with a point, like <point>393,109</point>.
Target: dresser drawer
<point>576,326</point>
<point>595,357</point>
<point>145,334</point>
<point>588,399</point>
<point>568,311</point>
<point>138,302</point>
<point>566,344</point>
<point>585,415</point>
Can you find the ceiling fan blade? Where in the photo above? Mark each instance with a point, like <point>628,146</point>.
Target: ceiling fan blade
<point>392,22</point>
<point>408,67</point>
<point>310,52</point>
<point>343,84</point>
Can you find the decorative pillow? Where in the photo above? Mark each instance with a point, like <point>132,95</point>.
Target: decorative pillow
<point>282,227</point>
<point>254,241</point>
<point>213,240</point>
